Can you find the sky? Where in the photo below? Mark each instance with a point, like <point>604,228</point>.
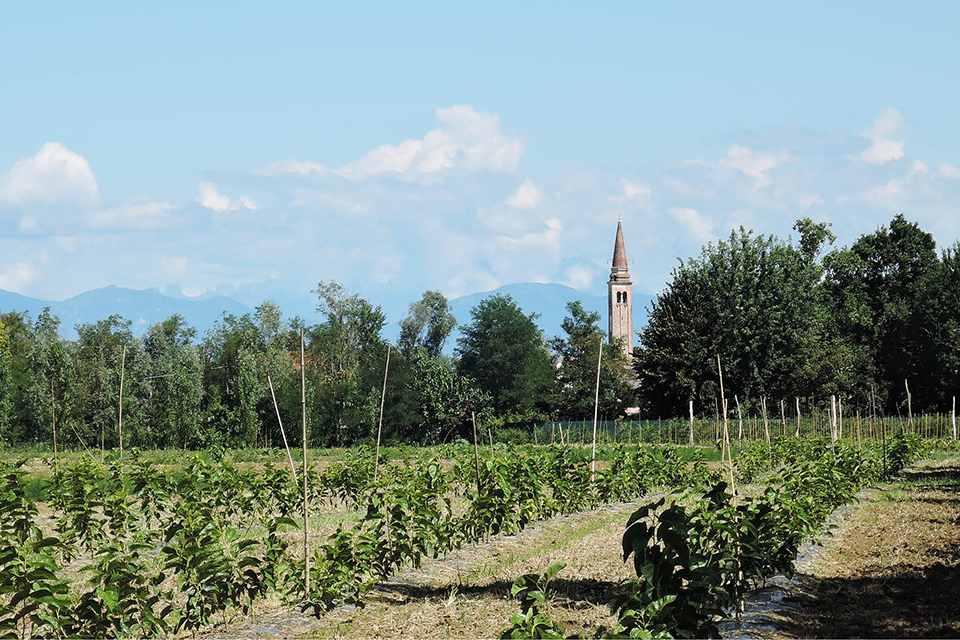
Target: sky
<point>402,147</point>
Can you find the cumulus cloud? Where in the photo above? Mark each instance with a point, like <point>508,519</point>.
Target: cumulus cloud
<point>579,277</point>
<point>754,164</point>
<point>527,196</point>
<point>949,171</point>
<point>54,175</point>
<point>136,215</point>
<point>696,223</point>
<point>17,276</point>
<point>212,199</point>
<point>468,139</point>
<point>884,147</point>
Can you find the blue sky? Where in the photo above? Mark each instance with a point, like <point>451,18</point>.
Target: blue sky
<point>397,148</point>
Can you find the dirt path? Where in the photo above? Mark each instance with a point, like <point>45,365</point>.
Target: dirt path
<point>892,567</point>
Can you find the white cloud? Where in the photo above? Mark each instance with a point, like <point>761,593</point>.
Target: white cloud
<point>808,200</point>
<point>884,148</point>
<point>469,139</point>
<point>17,276</point>
<point>136,215</point>
<point>631,191</point>
<point>527,196</point>
<point>55,175</point>
<point>578,277</point>
<point>27,224</point>
<point>754,164</point>
<point>212,199</point>
<point>292,166</point>
<point>884,195</point>
<point>949,171</point>
<point>699,225</point>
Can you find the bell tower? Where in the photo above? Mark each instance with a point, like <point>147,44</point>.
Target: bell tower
<point>620,297</point>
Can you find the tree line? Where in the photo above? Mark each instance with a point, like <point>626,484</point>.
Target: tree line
<point>792,319</point>
<point>188,391</point>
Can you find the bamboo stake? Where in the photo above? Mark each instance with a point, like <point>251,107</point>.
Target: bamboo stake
<point>726,434</point>
<point>123,362</point>
<point>797,434</point>
<point>383,397</point>
<point>766,426</point>
<point>293,469</point>
<point>691,423</point>
<point>53,419</point>
<point>783,419</point>
<point>596,406</point>
<point>833,420</point>
<point>953,417</point>
<point>306,512</point>
<point>909,404</point>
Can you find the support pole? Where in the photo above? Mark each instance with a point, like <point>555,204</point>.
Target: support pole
<point>476,448</point>
<point>383,396</point>
<point>596,406</point>
<point>293,469</point>
<point>691,423</point>
<point>306,512</point>
<point>123,362</point>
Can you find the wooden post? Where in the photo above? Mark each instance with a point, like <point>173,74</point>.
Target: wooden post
<point>953,417</point>
<point>596,406</point>
<point>476,448</point>
<point>783,420</point>
<point>306,511</point>
<point>797,434</point>
<point>53,419</point>
<point>726,433</point>
<point>293,468</point>
<point>123,362</point>
<point>909,404</point>
<point>691,423</point>
<point>383,397</point>
<point>833,420</point>
<point>766,425</point>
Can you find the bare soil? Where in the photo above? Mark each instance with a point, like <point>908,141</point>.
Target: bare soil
<point>892,567</point>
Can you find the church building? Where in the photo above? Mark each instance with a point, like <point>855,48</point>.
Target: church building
<point>620,297</point>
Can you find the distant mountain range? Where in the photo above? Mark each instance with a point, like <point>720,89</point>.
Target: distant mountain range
<point>146,307</point>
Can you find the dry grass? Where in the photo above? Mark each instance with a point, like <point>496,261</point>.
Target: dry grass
<point>892,568</point>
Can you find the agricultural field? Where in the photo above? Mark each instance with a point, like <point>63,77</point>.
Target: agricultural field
<point>174,543</point>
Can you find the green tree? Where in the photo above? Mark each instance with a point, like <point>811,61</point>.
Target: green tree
<point>428,324</point>
<point>577,354</point>
<point>47,399</point>
<point>879,292</point>
<point>504,352</point>
<point>752,300</point>
<point>175,376</point>
<point>6,385</point>
<point>347,355</point>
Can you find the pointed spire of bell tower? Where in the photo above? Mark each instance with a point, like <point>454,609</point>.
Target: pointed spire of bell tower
<point>620,296</point>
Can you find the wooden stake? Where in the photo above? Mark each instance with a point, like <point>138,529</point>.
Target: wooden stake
<point>596,406</point>
<point>293,469</point>
<point>691,423</point>
<point>726,434</point>
<point>953,417</point>
<point>797,434</point>
<point>766,426</point>
<point>383,397</point>
<point>833,420</point>
<point>53,418</point>
<point>909,404</point>
<point>123,362</point>
<point>306,506</point>
<point>783,419</point>
<point>840,417</point>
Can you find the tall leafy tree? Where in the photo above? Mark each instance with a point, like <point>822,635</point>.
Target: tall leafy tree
<point>347,356</point>
<point>880,291</point>
<point>577,354</point>
<point>6,385</point>
<point>753,301</point>
<point>428,324</point>
<point>172,416</point>
<point>504,352</point>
